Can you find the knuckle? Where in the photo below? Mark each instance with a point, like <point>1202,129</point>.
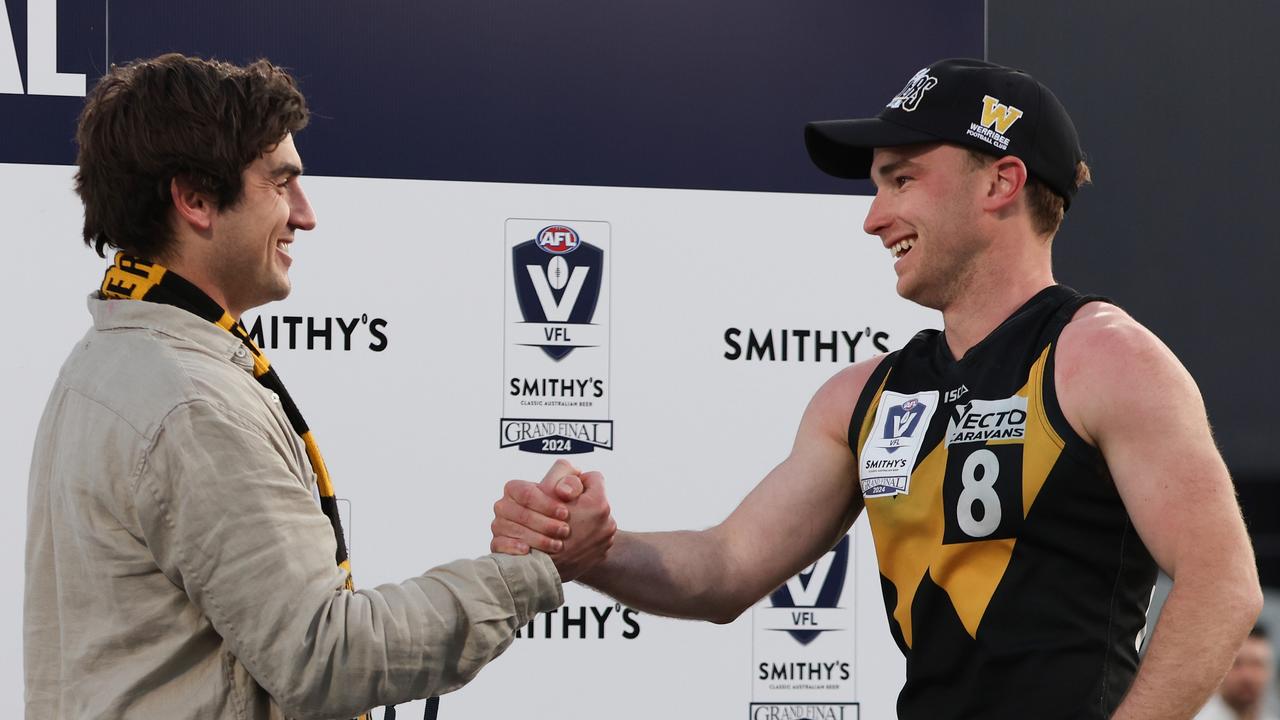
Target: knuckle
<point>520,493</point>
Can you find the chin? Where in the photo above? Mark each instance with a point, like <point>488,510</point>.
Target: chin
<point>920,294</point>
<point>281,287</point>
<point>910,290</point>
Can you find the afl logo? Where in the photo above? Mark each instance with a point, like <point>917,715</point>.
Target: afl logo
<point>558,239</point>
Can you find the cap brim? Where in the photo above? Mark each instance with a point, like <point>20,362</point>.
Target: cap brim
<point>843,147</point>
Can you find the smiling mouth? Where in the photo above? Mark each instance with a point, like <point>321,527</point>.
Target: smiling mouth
<point>901,248</point>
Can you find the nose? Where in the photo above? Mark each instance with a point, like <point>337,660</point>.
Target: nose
<point>301,215</point>
<point>878,218</point>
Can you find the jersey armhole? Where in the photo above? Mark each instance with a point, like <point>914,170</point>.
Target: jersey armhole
<point>1072,442</point>
<point>867,399</point>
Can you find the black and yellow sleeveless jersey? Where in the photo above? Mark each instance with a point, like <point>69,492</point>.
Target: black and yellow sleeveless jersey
<point>1013,579</point>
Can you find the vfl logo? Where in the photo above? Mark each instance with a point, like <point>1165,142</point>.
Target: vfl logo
<point>818,586</point>
<point>557,278</point>
<point>902,422</point>
<point>908,99</point>
<point>1001,116</point>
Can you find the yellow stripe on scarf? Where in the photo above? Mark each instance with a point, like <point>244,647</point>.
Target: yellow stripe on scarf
<point>130,278</point>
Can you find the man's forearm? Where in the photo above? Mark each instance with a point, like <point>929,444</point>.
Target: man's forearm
<point>683,574</point>
<point>1199,631</point>
<point>425,636</point>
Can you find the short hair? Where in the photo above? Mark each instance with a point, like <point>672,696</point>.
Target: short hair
<point>152,120</point>
<point>1047,207</point>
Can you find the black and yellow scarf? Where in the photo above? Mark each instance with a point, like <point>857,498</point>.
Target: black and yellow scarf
<point>129,278</point>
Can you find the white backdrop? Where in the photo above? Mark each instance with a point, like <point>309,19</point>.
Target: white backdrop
<point>410,432</point>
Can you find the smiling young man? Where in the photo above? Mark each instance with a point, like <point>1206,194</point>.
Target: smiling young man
<point>178,563</point>
<point>1024,471</point>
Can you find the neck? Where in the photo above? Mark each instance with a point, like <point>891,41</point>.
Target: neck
<point>991,295</point>
<point>196,273</point>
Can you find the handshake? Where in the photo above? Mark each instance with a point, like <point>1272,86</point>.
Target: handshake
<point>566,516</point>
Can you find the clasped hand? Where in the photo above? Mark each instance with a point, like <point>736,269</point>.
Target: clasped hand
<point>566,515</point>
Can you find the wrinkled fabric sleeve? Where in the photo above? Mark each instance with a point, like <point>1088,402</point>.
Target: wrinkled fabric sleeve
<point>229,522</point>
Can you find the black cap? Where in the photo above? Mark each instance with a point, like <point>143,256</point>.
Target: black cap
<point>979,105</point>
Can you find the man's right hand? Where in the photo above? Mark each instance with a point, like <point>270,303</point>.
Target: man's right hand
<point>566,515</point>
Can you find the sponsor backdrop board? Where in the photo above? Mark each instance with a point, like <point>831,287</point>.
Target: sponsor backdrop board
<point>467,312</point>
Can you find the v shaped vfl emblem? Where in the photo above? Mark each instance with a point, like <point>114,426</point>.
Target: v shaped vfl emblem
<point>901,423</point>
<point>806,595</point>
<point>553,311</point>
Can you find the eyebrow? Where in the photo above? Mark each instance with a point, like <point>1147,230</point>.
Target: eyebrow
<point>891,168</point>
<point>286,169</point>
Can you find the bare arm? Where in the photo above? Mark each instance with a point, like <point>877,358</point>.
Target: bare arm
<point>1125,392</point>
<point>799,511</point>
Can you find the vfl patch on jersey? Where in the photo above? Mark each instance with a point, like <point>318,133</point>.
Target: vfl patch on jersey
<point>888,456</point>
<point>988,421</point>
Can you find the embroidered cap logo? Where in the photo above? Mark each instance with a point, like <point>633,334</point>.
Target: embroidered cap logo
<point>908,99</point>
<point>1001,116</point>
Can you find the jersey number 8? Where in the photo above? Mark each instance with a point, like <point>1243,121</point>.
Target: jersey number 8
<point>982,492</point>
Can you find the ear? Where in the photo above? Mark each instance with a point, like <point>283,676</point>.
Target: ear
<point>1008,176</point>
<point>194,207</point>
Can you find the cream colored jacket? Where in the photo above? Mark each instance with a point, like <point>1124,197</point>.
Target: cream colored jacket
<point>179,566</point>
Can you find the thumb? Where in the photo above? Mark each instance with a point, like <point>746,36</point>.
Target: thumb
<point>569,487</point>
<point>558,471</point>
<point>592,482</point>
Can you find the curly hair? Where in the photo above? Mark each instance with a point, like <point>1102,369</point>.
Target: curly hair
<point>150,121</point>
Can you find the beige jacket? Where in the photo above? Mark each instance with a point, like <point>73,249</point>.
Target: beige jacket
<point>178,565</point>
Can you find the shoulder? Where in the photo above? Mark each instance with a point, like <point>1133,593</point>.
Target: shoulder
<point>1108,367</point>
<point>131,372</point>
<point>142,375</point>
<point>1102,341</point>
<point>832,405</point>
<point>847,385</point>
<point>1103,327</point>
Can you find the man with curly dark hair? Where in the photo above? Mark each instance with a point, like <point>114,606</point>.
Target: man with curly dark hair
<point>185,557</point>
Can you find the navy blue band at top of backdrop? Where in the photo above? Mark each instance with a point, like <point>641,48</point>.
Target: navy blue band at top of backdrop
<point>662,93</point>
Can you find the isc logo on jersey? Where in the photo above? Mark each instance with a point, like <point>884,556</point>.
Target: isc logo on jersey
<point>988,421</point>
